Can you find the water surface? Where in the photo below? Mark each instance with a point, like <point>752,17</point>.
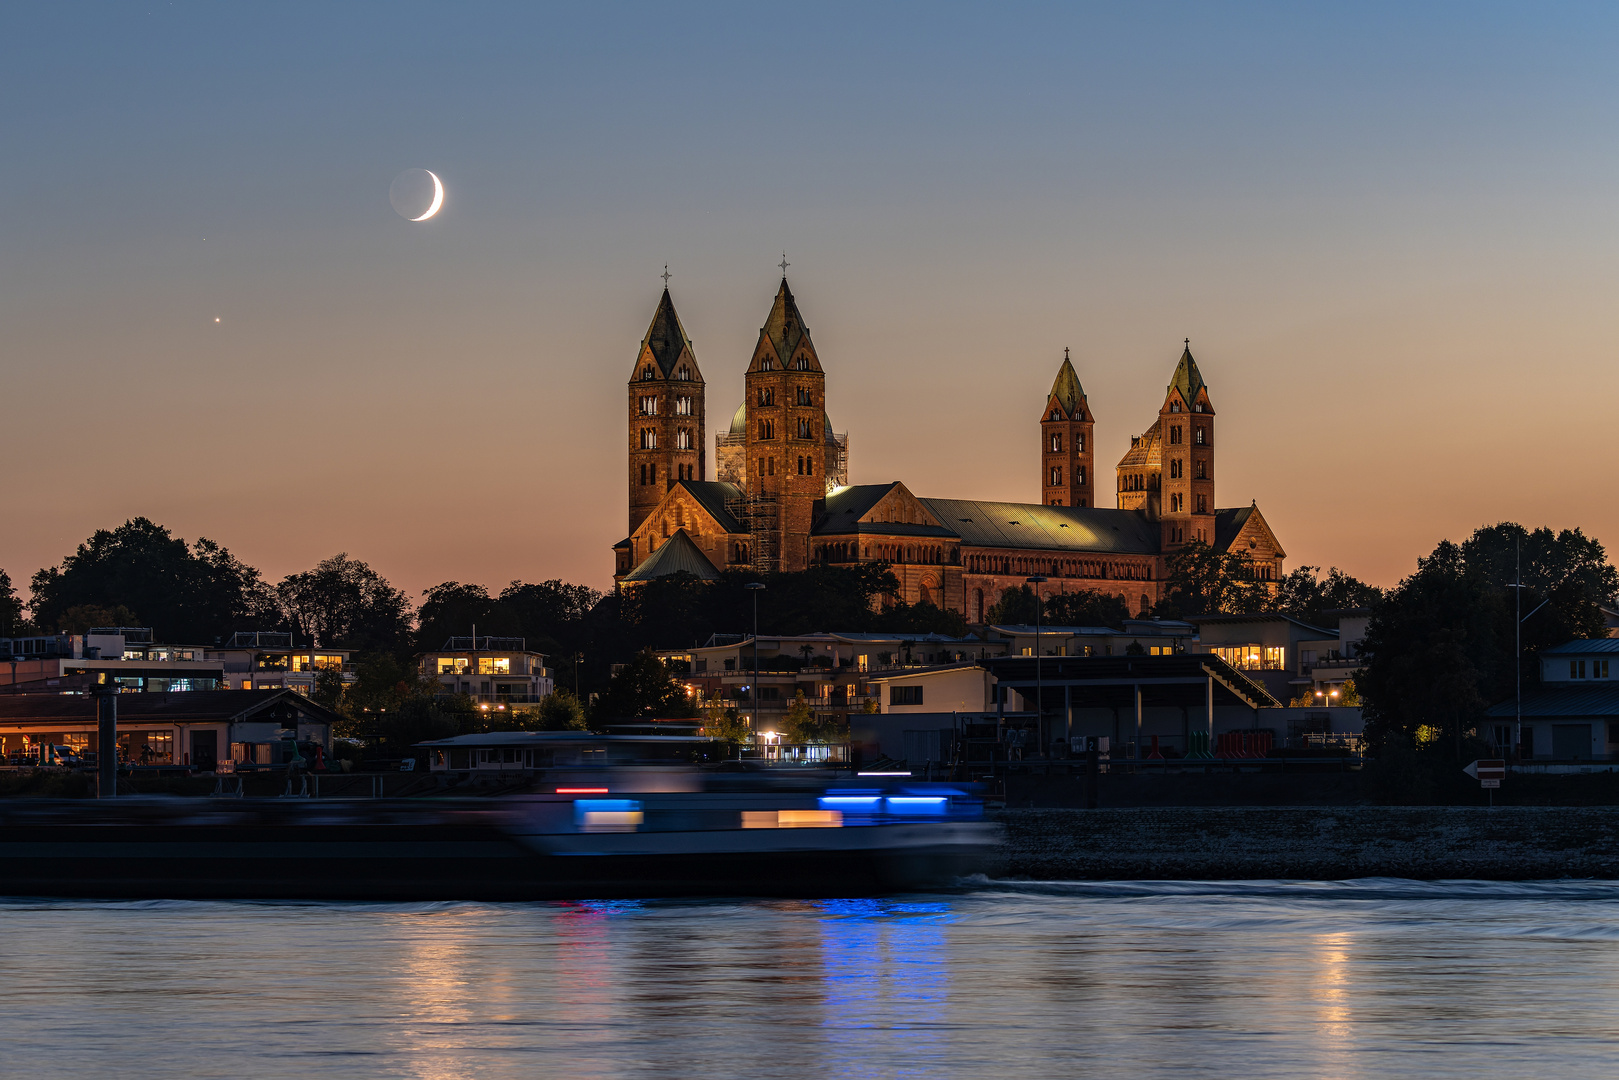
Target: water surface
<point>1245,979</point>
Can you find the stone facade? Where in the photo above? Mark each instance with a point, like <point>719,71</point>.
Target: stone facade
<point>782,499</point>
<point>1067,467</point>
<point>667,437</point>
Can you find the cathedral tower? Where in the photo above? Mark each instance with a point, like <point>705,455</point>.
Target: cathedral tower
<point>1065,442</point>
<point>1186,426</point>
<point>786,472</point>
<point>666,430</point>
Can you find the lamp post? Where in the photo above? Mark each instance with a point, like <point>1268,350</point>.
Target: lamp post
<point>1039,685</point>
<point>755,588</point>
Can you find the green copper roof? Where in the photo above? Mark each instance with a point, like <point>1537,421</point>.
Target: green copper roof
<point>666,337</point>
<point>1066,389</point>
<point>1052,528</point>
<point>739,422</point>
<point>1188,380</point>
<point>676,555</point>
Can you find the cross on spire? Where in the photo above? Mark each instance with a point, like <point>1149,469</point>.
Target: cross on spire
<point>1065,352</point>
<point>666,275</point>
<point>1188,343</point>
<point>784,264</point>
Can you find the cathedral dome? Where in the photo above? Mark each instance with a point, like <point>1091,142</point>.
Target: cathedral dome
<point>739,422</point>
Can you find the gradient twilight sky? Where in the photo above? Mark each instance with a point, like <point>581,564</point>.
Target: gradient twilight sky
<point>1390,230</point>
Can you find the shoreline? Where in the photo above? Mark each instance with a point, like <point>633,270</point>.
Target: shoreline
<point>1509,843</point>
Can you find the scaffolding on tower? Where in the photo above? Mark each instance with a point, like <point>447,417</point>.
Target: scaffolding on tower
<point>757,514</point>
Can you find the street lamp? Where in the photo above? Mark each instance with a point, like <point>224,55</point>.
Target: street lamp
<point>1039,686</point>
<point>755,588</point>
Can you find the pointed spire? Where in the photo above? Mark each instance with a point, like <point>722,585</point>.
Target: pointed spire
<point>665,336</point>
<point>1187,379</point>
<point>1066,389</point>
<point>785,326</point>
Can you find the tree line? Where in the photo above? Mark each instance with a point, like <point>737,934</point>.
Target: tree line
<point>1440,647</point>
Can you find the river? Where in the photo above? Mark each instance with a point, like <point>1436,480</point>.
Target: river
<point>1221,979</point>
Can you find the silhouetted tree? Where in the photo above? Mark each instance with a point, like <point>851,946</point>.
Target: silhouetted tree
<point>344,602</point>
<point>1439,647</point>
<point>1201,580</point>
<point>1308,597</point>
<point>642,688</point>
<point>1016,606</point>
<point>1086,608</point>
<point>11,620</point>
<point>188,593</point>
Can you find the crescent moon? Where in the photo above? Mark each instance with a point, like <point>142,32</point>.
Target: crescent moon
<point>438,196</point>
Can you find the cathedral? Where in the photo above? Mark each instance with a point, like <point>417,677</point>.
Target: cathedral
<point>782,500</point>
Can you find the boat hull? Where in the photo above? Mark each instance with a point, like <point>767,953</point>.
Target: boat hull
<point>273,849</point>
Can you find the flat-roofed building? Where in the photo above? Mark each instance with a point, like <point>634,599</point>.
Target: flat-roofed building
<point>199,729</point>
<point>268,660</point>
<point>1573,715</point>
<point>490,670</point>
<point>126,655</point>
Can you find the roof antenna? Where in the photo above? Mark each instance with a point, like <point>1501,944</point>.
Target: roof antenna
<point>666,275</point>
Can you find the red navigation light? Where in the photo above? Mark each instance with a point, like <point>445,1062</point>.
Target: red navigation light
<point>581,791</point>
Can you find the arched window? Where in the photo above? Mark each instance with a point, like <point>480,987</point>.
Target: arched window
<point>1174,406</point>
<point>1202,436</point>
<point>1056,442</point>
<point>802,363</point>
<point>809,466</point>
<point>1079,476</point>
<point>648,373</point>
<point>1056,476</point>
<point>684,374</point>
<point>767,364</point>
<point>1079,443</point>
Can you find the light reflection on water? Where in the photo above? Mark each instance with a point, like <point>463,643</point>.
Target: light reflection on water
<point>1238,979</point>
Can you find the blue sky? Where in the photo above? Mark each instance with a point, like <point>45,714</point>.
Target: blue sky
<point>1389,231</point>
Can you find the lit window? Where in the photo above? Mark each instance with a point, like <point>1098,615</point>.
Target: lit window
<point>1056,444</point>
<point>683,406</point>
<point>494,665</point>
<point>1201,439</point>
<point>1056,475</point>
<point>683,439</point>
<point>649,405</point>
